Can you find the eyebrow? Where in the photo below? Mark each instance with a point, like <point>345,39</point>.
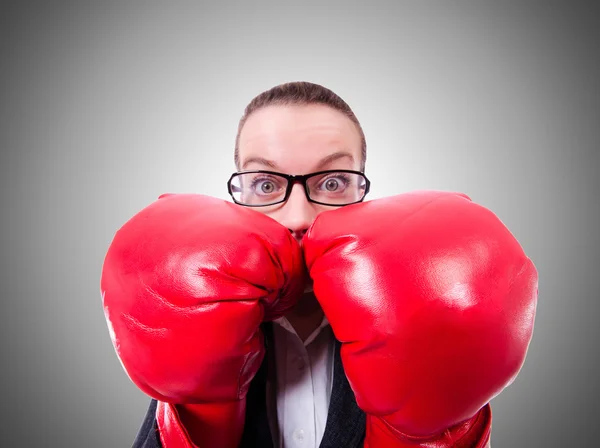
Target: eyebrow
<point>323,162</point>
<point>260,161</point>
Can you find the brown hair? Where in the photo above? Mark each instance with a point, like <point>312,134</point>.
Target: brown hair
<point>299,93</point>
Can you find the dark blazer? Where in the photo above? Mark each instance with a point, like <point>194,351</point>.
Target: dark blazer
<point>346,422</point>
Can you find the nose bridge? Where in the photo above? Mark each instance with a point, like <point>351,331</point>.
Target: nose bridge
<point>298,202</point>
<point>298,181</point>
<point>298,213</point>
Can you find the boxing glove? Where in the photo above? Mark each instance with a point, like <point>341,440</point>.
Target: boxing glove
<point>186,284</point>
<point>434,302</point>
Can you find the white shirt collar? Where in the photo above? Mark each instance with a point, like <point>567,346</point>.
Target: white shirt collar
<point>285,324</point>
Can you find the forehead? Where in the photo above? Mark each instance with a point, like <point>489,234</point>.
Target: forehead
<point>297,137</point>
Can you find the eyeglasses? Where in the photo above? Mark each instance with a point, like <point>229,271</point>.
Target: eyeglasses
<point>332,187</point>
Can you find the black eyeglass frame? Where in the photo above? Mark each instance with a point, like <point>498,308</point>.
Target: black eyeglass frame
<point>293,179</point>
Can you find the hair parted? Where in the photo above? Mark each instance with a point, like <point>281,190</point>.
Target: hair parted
<point>299,93</point>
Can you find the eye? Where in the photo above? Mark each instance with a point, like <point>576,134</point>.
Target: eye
<point>267,186</point>
<point>264,186</point>
<point>336,183</point>
<point>331,184</point>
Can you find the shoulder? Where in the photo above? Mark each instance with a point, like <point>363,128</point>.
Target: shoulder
<point>148,436</point>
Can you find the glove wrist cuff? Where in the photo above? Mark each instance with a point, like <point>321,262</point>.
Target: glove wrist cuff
<point>473,433</point>
<point>201,425</point>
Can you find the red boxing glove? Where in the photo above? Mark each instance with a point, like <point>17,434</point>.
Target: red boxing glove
<point>186,284</point>
<point>434,302</point>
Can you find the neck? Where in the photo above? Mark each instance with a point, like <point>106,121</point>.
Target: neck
<point>306,316</point>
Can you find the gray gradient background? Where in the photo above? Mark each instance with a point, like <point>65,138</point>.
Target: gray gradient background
<point>105,106</point>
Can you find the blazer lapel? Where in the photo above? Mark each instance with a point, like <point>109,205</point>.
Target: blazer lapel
<point>346,422</point>
<point>257,431</point>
